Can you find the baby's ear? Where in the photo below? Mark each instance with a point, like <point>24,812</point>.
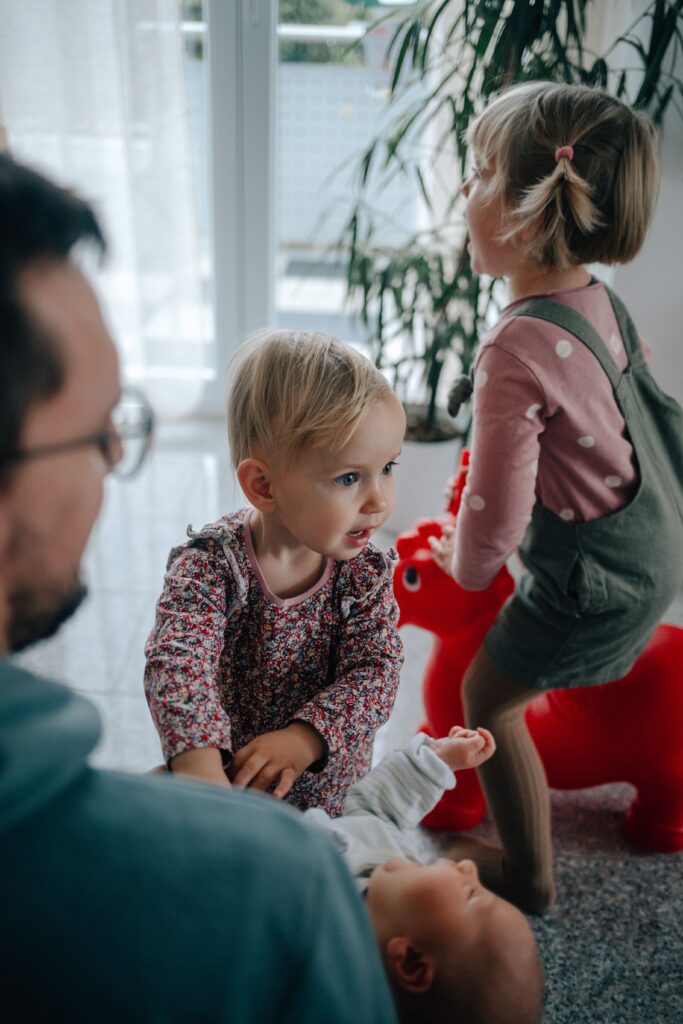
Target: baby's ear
<point>255,480</point>
<point>408,966</point>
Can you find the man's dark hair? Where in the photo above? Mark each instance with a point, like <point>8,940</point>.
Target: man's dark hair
<point>39,221</point>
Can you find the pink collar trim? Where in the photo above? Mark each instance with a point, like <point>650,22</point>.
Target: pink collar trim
<point>281,602</point>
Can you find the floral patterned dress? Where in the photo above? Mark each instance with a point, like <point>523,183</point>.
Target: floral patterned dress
<point>228,660</point>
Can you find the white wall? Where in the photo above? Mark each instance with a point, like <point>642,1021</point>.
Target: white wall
<point>652,285</point>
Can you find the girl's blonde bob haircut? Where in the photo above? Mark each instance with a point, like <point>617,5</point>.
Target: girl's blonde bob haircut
<point>592,207</point>
<point>293,390</point>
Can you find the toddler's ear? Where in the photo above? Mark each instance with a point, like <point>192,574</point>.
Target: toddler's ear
<point>409,967</point>
<point>255,480</point>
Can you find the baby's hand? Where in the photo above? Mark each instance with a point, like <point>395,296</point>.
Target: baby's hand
<point>443,547</point>
<point>276,757</point>
<point>464,748</point>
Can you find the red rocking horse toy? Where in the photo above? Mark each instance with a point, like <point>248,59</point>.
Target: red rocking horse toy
<point>630,730</point>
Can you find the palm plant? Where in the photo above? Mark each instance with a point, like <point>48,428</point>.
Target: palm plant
<point>420,302</point>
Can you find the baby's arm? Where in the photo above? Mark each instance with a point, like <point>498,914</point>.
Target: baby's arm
<point>403,787</point>
<point>408,783</point>
<point>464,748</point>
<point>183,654</point>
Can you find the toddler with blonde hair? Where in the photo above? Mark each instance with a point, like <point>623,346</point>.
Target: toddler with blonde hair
<point>577,456</point>
<point>275,654</point>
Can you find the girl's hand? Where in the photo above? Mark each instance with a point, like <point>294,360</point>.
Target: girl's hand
<point>464,748</point>
<point>279,757</point>
<point>443,548</point>
<point>204,763</point>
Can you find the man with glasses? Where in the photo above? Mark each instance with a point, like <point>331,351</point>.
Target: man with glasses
<point>125,898</point>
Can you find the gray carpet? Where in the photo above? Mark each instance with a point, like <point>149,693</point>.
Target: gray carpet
<point>612,947</point>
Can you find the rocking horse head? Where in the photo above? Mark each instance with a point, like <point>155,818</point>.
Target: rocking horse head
<point>426,595</point>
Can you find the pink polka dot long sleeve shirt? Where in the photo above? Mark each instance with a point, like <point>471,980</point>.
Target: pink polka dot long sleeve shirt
<point>546,427</point>
<point>228,660</point>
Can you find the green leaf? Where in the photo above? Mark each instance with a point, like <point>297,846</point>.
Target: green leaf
<point>598,73</point>
<point>410,35</point>
<point>443,6</point>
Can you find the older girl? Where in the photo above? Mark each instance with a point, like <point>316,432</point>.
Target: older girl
<point>577,457</point>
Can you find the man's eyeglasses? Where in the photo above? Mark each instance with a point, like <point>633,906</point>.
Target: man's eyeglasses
<point>123,446</point>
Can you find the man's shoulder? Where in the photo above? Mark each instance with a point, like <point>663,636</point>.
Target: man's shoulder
<point>179,818</point>
<point>156,898</point>
<point>47,734</point>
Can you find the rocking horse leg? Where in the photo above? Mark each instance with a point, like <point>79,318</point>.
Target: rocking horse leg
<point>654,821</point>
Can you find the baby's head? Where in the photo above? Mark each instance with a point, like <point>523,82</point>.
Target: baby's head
<point>452,949</point>
<point>575,170</point>
<point>314,431</point>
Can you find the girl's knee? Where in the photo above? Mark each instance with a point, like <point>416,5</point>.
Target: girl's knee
<point>488,693</point>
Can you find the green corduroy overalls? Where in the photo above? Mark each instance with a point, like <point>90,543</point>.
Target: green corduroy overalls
<point>595,591</point>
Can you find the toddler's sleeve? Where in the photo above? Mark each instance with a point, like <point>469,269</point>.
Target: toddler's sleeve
<point>368,658</point>
<point>183,654</point>
<point>508,419</point>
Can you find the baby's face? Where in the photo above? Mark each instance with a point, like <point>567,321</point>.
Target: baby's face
<point>465,930</point>
<point>444,898</point>
<point>404,890</point>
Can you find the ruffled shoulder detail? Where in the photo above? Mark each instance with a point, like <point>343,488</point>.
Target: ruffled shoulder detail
<point>361,577</point>
<point>225,539</point>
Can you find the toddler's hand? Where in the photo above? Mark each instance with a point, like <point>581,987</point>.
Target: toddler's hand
<point>443,547</point>
<point>279,757</point>
<point>464,748</point>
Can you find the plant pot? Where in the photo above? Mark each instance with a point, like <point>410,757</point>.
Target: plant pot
<point>423,470</point>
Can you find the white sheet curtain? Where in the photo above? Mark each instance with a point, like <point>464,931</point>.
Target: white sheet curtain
<point>93,93</point>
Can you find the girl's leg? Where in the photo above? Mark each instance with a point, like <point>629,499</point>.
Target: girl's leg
<point>516,789</point>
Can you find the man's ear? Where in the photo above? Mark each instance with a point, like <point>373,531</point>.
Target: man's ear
<point>409,967</point>
<point>255,480</point>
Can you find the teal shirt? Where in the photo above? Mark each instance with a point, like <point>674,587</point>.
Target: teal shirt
<point>152,899</point>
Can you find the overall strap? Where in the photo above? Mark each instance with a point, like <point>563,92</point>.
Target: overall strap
<point>575,323</point>
<point>627,329</point>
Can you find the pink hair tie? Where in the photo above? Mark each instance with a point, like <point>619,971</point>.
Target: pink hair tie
<point>563,151</point>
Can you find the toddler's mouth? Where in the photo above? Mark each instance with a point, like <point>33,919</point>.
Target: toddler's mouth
<point>359,536</point>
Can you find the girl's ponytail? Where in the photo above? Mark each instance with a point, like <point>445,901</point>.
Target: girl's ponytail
<point>548,208</point>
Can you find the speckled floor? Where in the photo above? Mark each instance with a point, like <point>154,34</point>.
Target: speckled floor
<point>612,947</point>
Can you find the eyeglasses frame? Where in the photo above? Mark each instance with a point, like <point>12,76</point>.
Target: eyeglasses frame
<point>104,440</point>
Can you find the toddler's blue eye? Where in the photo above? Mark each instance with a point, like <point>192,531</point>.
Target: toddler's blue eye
<point>347,479</point>
<point>388,469</point>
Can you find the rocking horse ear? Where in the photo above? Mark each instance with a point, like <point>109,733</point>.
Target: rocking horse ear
<point>459,483</point>
<point>407,543</point>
